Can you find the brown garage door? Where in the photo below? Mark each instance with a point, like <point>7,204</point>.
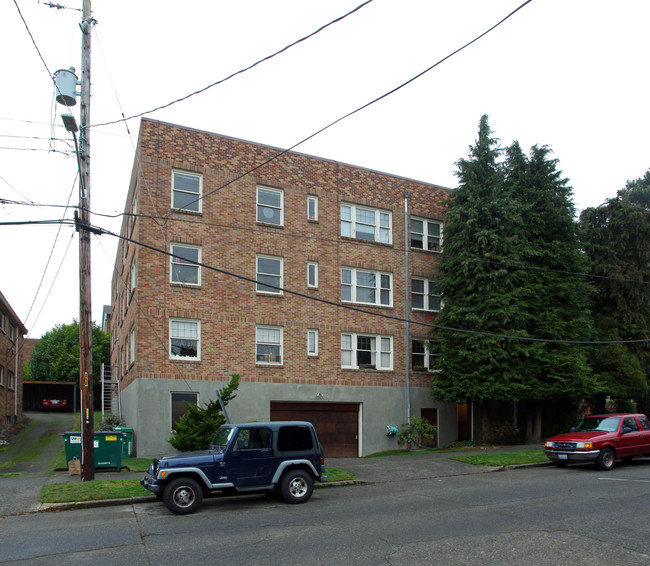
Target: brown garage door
<point>337,424</point>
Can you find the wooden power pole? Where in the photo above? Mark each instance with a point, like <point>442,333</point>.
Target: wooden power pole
<point>85,311</point>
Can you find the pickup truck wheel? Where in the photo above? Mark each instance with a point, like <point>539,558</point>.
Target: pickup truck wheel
<point>296,486</point>
<point>605,460</point>
<point>183,496</point>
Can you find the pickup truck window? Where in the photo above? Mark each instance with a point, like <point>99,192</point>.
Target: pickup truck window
<point>631,422</point>
<point>607,424</point>
<point>644,422</point>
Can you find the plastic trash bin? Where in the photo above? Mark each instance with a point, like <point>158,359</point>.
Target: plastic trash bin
<point>127,448</point>
<point>107,445</point>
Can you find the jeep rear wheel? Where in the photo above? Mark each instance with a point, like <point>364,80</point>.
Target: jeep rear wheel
<point>605,460</point>
<point>183,496</point>
<point>296,486</point>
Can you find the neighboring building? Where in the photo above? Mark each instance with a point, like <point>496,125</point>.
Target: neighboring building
<point>12,339</point>
<point>314,234</point>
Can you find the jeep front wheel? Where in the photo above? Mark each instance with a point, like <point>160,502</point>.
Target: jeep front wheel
<point>296,486</point>
<point>183,496</point>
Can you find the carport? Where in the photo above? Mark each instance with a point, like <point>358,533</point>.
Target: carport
<point>35,391</point>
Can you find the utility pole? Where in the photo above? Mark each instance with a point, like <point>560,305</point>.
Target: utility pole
<point>65,83</point>
<point>85,311</point>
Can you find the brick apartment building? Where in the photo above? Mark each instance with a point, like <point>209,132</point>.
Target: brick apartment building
<point>12,333</point>
<point>282,239</point>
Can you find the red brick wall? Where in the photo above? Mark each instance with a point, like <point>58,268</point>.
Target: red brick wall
<point>230,237</point>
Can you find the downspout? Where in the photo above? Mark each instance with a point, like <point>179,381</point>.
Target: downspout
<point>407,305</point>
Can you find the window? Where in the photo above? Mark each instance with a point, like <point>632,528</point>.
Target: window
<point>132,345</point>
<point>268,345</point>
<point>3,322</point>
<point>12,332</point>
<point>11,380</point>
<point>133,274</point>
<point>269,274</point>
<point>424,295</point>
<point>270,206</point>
<point>630,422</point>
<point>368,287</point>
<point>184,339</point>
<point>295,438</point>
<point>312,274</point>
<point>312,342</point>
<point>184,268</point>
<point>423,354</point>
<point>2,376</point>
<point>180,404</point>
<point>362,351</point>
<point>253,439</point>
<point>426,234</point>
<point>187,191</point>
<point>644,421</point>
<point>369,224</point>
<point>312,208</point>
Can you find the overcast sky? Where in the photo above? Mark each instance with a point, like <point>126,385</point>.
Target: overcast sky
<point>570,74</point>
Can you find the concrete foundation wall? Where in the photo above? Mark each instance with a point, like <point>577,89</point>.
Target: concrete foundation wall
<point>146,406</point>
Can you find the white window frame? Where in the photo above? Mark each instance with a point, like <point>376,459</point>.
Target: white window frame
<point>279,277</point>
<point>175,260</point>
<point>3,322</point>
<point>312,342</point>
<point>351,224</point>
<point>196,198</point>
<point>11,380</point>
<point>427,295</point>
<point>381,354</point>
<point>2,376</point>
<point>260,206</point>
<point>133,273</point>
<point>312,274</point>
<point>269,359</point>
<point>196,338</point>
<point>312,208</point>
<point>131,346</point>
<point>425,234</point>
<point>353,284</point>
<point>429,355</point>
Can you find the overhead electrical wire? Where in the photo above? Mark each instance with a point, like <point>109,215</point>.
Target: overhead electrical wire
<point>522,266</point>
<point>360,108</point>
<point>248,68</point>
<point>101,231</point>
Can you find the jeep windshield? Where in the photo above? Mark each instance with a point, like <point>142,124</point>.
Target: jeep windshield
<point>605,424</point>
<point>221,438</point>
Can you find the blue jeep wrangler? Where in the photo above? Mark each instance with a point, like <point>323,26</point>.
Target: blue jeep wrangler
<point>283,456</point>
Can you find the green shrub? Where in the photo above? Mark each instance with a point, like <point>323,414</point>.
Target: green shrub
<point>196,428</point>
<point>414,431</point>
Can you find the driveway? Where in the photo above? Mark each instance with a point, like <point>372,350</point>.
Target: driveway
<point>30,455</point>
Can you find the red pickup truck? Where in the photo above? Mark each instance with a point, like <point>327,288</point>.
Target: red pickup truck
<point>602,439</point>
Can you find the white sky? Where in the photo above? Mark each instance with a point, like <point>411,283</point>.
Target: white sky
<point>571,74</point>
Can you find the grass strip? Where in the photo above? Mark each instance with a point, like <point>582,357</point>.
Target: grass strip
<point>503,458</point>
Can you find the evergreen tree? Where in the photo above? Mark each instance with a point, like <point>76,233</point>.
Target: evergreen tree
<point>482,292</point>
<point>198,425</point>
<point>510,239</point>
<point>617,244</point>
<point>556,302</point>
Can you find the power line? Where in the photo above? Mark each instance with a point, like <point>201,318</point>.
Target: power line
<point>522,266</point>
<point>101,231</point>
<point>360,108</point>
<point>221,81</point>
<point>33,40</point>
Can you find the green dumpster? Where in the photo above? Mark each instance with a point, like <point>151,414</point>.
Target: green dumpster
<point>127,448</point>
<point>107,445</point>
